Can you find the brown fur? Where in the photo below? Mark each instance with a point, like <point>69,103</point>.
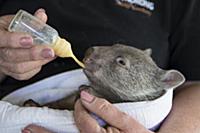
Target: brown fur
<point>121,73</point>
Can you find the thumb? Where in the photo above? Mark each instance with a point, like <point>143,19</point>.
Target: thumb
<point>105,110</point>
<point>41,14</point>
<point>112,115</point>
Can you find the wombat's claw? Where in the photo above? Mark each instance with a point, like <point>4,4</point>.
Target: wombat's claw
<point>31,103</point>
<point>85,88</point>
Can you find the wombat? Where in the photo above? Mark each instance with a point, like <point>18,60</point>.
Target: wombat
<point>121,73</point>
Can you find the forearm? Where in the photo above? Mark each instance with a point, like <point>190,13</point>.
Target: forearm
<point>185,116</point>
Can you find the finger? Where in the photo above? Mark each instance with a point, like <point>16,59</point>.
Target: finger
<point>10,39</point>
<point>37,52</point>
<point>5,21</point>
<point>35,129</point>
<point>40,13</point>
<point>107,111</point>
<point>84,122</point>
<point>113,130</point>
<point>15,40</point>
<point>24,76</point>
<point>23,67</point>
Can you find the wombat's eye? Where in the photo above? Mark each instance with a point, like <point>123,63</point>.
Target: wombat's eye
<point>120,61</point>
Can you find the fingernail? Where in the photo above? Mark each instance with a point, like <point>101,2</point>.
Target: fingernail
<point>26,131</point>
<point>86,96</point>
<point>47,53</point>
<point>26,41</point>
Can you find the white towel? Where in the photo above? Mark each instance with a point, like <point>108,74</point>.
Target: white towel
<point>14,118</point>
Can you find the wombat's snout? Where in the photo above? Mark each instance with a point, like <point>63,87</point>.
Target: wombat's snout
<point>88,55</point>
<point>90,61</point>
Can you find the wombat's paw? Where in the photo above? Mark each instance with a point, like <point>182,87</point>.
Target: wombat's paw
<point>31,103</point>
<point>86,88</point>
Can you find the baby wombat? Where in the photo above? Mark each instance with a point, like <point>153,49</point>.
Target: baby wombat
<point>121,73</point>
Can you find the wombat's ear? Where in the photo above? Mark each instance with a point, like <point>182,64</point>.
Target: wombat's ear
<point>172,79</point>
<point>148,51</point>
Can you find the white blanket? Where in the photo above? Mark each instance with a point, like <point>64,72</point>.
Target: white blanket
<point>14,118</point>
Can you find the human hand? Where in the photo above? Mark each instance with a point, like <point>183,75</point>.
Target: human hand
<point>35,129</point>
<point>118,121</point>
<point>19,57</point>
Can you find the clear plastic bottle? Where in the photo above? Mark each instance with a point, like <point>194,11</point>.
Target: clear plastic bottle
<point>42,34</point>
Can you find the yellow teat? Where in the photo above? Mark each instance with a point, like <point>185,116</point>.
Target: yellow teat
<point>63,48</point>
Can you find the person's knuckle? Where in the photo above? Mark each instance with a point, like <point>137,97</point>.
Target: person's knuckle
<point>38,69</point>
<point>98,129</point>
<point>78,120</point>
<point>110,130</point>
<point>19,76</point>
<point>11,67</point>
<point>17,68</point>
<point>6,38</point>
<point>102,130</point>
<point>104,105</point>
<point>34,72</point>
<point>125,120</point>
<point>6,54</point>
<point>11,39</point>
<point>24,76</point>
<point>20,68</point>
<point>33,53</point>
<point>95,129</point>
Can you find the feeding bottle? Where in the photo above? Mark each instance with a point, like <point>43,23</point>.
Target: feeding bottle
<point>42,34</point>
